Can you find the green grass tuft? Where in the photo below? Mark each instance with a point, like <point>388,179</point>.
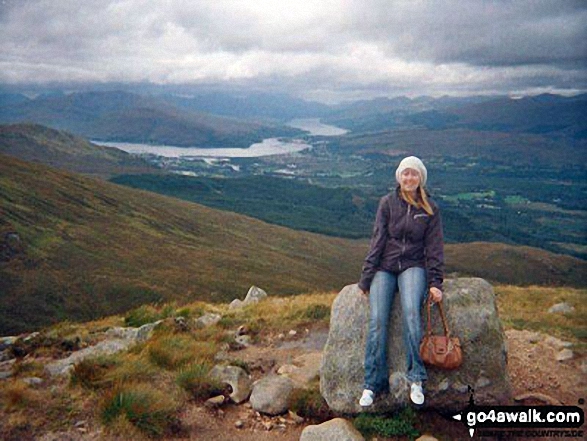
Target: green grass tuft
<point>400,424</point>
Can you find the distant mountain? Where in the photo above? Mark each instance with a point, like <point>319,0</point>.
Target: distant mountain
<point>252,106</point>
<point>127,117</point>
<point>546,114</point>
<point>75,248</point>
<point>542,114</point>
<point>33,142</point>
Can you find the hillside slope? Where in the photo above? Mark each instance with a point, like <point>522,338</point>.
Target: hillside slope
<point>92,248</point>
<point>33,142</point>
<point>82,248</point>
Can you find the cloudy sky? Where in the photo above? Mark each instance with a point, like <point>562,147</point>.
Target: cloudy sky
<point>327,50</point>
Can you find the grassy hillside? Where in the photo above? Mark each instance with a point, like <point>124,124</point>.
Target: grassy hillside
<point>126,117</point>
<point>33,142</point>
<point>93,248</point>
<point>89,248</point>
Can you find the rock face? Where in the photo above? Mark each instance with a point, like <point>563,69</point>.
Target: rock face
<point>271,395</point>
<point>469,305</point>
<point>337,429</point>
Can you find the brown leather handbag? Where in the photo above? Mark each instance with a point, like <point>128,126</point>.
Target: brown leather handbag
<point>441,351</point>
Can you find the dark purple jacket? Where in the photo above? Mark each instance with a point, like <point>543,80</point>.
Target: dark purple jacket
<point>404,237</point>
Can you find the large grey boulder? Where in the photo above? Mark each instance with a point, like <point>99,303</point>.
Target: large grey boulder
<point>271,395</point>
<point>469,304</point>
<point>337,429</point>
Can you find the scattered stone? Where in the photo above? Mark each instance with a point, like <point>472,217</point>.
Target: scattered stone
<point>470,309</point>
<point>4,375</point>
<point>239,424</point>
<point>271,395</point>
<point>427,438</point>
<point>337,429</point>
<point>557,343</point>
<point>584,366</point>
<point>242,330</point>
<point>215,401</point>
<point>443,385</point>
<point>243,340</point>
<point>238,380</point>
<point>236,304</point>
<point>561,308</point>
<point>63,367</point>
<point>33,381</point>
<point>207,320</point>
<point>5,355</point>
<point>181,324</point>
<point>281,336</point>
<point>565,354</point>
<point>255,294</point>
<point>296,419</point>
<point>482,382</point>
<point>292,332</point>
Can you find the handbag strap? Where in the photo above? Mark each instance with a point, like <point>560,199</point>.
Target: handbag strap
<point>442,316</point>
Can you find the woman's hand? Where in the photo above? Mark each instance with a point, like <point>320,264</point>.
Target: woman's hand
<point>435,295</point>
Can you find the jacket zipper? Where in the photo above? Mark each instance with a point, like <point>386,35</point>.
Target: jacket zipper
<point>404,238</point>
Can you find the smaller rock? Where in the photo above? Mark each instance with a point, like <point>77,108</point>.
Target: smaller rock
<point>207,320</point>
<point>31,337</point>
<point>561,308</point>
<point>5,375</point>
<point>444,385</point>
<point>557,343</point>
<point>239,424</point>
<point>33,381</point>
<point>236,304</point>
<point>181,324</point>
<point>215,401</point>
<point>292,332</point>
<point>337,429</point>
<point>482,382</point>
<point>427,438</point>
<point>5,355</point>
<point>243,340</point>
<point>238,380</point>
<point>565,354</point>
<point>242,330</point>
<point>295,417</point>
<point>255,294</point>
<point>271,395</point>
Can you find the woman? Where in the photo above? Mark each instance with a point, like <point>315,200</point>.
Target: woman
<point>407,252</point>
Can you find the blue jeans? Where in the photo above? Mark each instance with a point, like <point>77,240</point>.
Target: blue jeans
<point>412,288</point>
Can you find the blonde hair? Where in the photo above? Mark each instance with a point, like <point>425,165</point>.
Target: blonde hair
<point>421,200</point>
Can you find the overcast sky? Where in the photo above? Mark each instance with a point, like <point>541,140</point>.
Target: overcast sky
<point>327,50</point>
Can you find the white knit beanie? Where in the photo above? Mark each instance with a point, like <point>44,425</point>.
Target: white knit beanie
<point>413,163</point>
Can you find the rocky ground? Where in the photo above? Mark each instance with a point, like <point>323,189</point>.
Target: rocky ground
<point>541,368</point>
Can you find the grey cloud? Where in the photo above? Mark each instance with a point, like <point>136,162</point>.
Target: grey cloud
<point>332,47</point>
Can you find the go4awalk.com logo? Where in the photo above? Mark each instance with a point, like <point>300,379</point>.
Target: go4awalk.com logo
<point>523,421</point>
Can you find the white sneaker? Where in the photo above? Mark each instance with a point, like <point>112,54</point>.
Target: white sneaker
<point>416,393</point>
<point>367,398</point>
